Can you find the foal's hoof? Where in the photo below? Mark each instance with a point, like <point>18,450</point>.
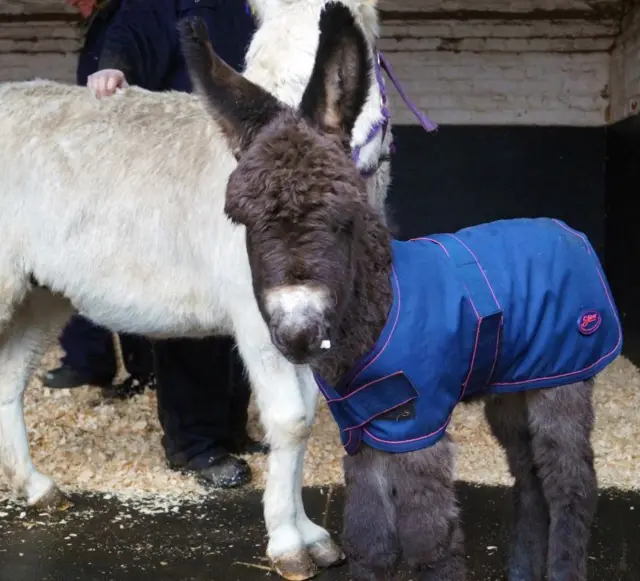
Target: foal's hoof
<point>295,566</point>
<point>326,553</point>
<point>54,499</point>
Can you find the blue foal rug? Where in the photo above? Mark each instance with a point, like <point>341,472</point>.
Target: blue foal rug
<point>502,307</point>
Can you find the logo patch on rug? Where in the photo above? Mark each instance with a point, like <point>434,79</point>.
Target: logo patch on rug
<point>589,322</point>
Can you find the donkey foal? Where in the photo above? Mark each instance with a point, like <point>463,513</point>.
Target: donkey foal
<point>516,311</point>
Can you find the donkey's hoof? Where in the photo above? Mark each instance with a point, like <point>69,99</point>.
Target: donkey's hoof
<point>54,499</point>
<point>296,566</point>
<point>326,553</point>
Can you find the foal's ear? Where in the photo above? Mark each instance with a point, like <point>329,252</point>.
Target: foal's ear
<point>240,107</point>
<point>338,86</point>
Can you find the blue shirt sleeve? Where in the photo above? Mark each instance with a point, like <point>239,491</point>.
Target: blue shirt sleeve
<point>142,41</point>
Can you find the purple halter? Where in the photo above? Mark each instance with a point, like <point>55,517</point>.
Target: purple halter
<point>382,64</point>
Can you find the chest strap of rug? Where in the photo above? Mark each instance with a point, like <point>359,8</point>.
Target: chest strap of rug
<point>485,303</point>
<point>369,401</point>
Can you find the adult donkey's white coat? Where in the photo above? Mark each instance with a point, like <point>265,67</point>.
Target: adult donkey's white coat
<point>114,208</point>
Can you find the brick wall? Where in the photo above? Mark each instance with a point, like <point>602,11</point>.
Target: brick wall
<point>586,8</point>
<point>38,38</point>
<point>502,71</point>
<point>502,61</point>
<point>625,68</point>
<point>463,61</point>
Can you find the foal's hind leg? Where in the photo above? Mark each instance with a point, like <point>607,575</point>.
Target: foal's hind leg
<point>561,422</point>
<point>507,416</point>
<point>427,514</point>
<point>369,532</point>
<point>22,343</point>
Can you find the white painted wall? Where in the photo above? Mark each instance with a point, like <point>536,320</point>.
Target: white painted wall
<point>463,61</point>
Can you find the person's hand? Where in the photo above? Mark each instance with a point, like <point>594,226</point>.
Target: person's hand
<point>105,82</point>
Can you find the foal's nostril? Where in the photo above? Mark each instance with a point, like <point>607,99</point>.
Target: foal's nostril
<point>300,343</point>
<point>294,346</point>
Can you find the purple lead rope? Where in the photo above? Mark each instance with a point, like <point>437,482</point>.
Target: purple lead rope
<point>429,126</point>
<point>426,123</point>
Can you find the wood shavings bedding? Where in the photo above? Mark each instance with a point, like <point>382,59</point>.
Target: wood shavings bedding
<point>91,445</point>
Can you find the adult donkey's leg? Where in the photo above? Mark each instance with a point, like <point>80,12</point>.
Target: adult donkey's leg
<point>323,550</point>
<point>561,420</point>
<point>22,343</point>
<point>282,401</point>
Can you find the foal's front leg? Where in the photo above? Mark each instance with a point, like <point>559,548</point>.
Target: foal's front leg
<point>283,404</point>
<point>427,513</point>
<point>369,532</point>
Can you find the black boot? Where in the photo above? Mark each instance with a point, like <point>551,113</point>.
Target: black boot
<point>66,377</point>
<point>194,408</point>
<point>217,470</point>
<point>225,472</point>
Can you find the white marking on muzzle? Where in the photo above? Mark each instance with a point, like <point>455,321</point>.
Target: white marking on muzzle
<point>297,305</point>
<point>326,344</point>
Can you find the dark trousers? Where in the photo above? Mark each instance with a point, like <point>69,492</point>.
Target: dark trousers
<point>202,391</point>
<point>89,350</point>
<point>203,395</point>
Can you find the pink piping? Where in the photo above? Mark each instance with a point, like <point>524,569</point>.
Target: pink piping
<point>397,285</point>
<point>348,395</point>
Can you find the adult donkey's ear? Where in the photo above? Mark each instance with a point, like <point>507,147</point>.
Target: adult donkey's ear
<point>338,86</point>
<point>240,107</point>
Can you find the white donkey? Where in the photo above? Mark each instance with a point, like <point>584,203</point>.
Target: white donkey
<point>114,208</point>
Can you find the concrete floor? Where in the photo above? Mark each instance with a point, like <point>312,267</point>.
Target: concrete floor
<point>101,539</point>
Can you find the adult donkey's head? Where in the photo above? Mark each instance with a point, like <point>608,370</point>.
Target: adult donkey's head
<point>296,188</point>
<point>280,58</point>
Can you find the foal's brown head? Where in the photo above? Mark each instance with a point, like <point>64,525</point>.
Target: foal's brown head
<point>296,188</point>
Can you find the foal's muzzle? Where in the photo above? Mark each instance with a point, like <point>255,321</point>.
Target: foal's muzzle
<point>301,345</point>
<point>297,319</point>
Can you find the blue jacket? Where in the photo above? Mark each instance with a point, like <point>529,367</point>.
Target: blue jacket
<point>140,38</point>
<point>502,307</point>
